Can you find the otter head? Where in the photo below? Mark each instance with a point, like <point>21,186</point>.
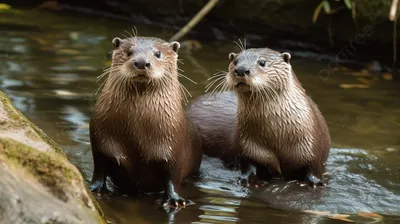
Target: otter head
<point>144,59</point>
<point>259,70</point>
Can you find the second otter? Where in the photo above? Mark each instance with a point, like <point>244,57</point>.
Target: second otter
<point>140,135</point>
<point>268,120</point>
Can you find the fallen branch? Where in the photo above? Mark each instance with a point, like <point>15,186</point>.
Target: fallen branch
<point>194,20</point>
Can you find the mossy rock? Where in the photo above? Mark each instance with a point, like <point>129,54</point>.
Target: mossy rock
<point>38,183</point>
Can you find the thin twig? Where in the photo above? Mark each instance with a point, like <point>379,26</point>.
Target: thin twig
<point>393,10</point>
<point>395,44</point>
<point>194,20</point>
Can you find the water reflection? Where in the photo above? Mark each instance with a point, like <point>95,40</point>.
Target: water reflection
<point>49,70</point>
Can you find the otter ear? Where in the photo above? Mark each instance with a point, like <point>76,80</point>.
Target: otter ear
<point>116,42</point>
<point>232,56</point>
<point>175,45</point>
<point>286,57</point>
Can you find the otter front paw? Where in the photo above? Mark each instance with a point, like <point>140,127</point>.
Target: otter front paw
<point>251,181</point>
<point>175,201</point>
<point>171,198</point>
<point>98,186</point>
<point>249,178</point>
<point>314,181</point>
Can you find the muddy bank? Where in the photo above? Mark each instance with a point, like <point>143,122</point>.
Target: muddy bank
<point>38,184</point>
<point>285,25</point>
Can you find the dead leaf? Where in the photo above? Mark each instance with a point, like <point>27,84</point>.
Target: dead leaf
<point>352,86</point>
<point>68,51</point>
<point>74,35</point>
<point>317,212</point>
<point>40,40</point>
<point>85,67</point>
<point>65,93</point>
<point>361,74</point>
<point>387,76</point>
<point>82,57</point>
<point>392,149</point>
<point>4,7</point>
<point>61,60</point>
<point>365,81</point>
<point>370,215</point>
<point>341,217</point>
<point>51,5</point>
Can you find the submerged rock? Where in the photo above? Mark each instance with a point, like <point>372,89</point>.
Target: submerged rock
<point>38,183</point>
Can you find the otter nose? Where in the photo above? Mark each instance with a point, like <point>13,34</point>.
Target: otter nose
<point>242,71</point>
<point>141,63</point>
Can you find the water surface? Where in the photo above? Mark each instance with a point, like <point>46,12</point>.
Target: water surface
<point>48,67</point>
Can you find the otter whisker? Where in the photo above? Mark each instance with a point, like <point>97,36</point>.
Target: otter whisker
<point>240,46</point>
<point>184,92</point>
<point>219,86</point>
<point>100,77</point>
<point>216,78</point>
<point>100,87</point>
<point>217,74</point>
<point>133,34</point>
<point>219,70</point>
<point>134,31</point>
<point>180,61</point>
<point>183,76</point>
<point>225,87</point>
<point>108,68</point>
<point>105,73</point>
<point>209,85</point>
<point>187,91</point>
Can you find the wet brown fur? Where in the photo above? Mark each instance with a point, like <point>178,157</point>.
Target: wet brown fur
<point>278,127</point>
<point>139,131</point>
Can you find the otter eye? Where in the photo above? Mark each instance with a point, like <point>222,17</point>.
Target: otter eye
<point>158,54</point>
<point>262,63</point>
<point>129,53</point>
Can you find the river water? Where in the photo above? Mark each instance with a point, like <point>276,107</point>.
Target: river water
<point>48,67</point>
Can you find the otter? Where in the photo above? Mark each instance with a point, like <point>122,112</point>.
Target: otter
<point>140,135</point>
<point>265,119</point>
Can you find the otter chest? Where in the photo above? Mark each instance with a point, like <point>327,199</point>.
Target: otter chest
<point>144,125</point>
<point>277,133</point>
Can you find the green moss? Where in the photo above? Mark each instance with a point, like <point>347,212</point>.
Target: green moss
<point>33,135</point>
<point>18,120</point>
<point>50,168</point>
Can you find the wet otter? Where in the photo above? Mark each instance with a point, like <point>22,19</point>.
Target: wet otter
<point>279,130</point>
<point>139,132</point>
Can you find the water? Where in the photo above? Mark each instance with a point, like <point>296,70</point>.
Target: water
<point>48,67</point>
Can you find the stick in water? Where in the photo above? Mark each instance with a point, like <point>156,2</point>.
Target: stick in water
<point>195,20</point>
<point>393,9</point>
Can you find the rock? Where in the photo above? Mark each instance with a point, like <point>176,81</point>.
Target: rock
<point>38,183</point>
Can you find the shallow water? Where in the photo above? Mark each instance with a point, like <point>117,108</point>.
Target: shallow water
<point>48,67</point>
